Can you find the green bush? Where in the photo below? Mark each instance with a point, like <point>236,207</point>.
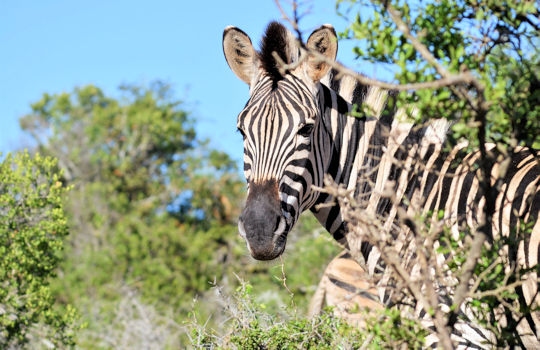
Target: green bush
<point>32,228</point>
<point>253,327</point>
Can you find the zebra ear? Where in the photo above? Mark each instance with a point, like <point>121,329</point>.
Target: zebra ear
<point>239,53</point>
<point>323,41</point>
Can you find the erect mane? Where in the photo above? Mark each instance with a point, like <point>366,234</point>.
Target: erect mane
<point>276,39</point>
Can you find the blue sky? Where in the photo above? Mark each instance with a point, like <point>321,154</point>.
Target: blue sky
<point>52,46</point>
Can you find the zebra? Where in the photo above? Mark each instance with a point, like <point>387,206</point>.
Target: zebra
<point>298,129</point>
<point>346,287</point>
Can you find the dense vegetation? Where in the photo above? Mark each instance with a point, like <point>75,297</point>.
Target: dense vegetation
<point>151,215</point>
<point>118,230</point>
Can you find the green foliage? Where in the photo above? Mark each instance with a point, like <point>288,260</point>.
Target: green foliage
<point>495,282</point>
<point>494,40</point>
<point>152,207</point>
<point>253,328</point>
<point>32,229</point>
<point>390,330</point>
<point>309,249</point>
<point>152,213</point>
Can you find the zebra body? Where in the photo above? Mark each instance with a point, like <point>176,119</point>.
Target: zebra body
<point>345,286</point>
<point>298,130</point>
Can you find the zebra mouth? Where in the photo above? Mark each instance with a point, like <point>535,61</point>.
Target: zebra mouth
<point>266,249</point>
<point>279,248</point>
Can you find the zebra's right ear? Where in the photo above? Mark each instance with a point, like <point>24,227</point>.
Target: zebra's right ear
<point>323,41</point>
<point>239,53</point>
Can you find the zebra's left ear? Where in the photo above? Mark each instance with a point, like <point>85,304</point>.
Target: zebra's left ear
<point>323,41</point>
<point>239,53</point>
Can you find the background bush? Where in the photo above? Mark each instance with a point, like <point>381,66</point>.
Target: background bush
<point>32,231</point>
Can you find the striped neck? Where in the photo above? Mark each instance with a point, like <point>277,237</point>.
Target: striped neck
<point>359,153</point>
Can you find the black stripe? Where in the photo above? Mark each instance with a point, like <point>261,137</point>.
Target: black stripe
<point>526,180</point>
<point>304,147</point>
<point>342,106</point>
<point>350,288</point>
<point>288,208</point>
<point>447,181</point>
<point>352,151</point>
<point>345,255</point>
<point>334,166</point>
<point>433,177</point>
<point>366,249</point>
<point>288,190</point>
<point>422,313</point>
<point>402,153</point>
<point>335,84</point>
<point>359,93</point>
<point>327,98</point>
<point>389,111</point>
<point>333,214</point>
<point>371,161</point>
<point>340,232</point>
<point>463,206</point>
<point>300,163</point>
<point>419,174</point>
<point>510,173</point>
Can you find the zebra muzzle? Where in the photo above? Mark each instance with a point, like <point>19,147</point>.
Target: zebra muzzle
<point>262,224</point>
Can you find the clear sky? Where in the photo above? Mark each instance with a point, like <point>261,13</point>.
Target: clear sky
<point>54,45</point>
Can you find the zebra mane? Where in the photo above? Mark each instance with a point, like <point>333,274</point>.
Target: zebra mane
<point>277,39</point>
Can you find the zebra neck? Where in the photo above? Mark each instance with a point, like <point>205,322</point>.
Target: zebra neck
<point>360,154</point>
<point>345,149</point>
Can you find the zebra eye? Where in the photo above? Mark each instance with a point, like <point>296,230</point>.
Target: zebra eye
<point>241,132</point>
<point>306,130</point>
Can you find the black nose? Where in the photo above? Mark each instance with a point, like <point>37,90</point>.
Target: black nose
<point>261,218</point>
<point>260,222</point>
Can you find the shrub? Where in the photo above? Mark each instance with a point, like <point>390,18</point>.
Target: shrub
<point>32,228</point>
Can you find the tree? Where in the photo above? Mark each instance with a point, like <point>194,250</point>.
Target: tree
<point>152,207</point>
<point>33,227</point>
<point>152,214</point>
<point>478,61</point>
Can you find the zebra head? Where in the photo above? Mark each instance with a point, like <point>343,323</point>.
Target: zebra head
<point>278,124</point>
